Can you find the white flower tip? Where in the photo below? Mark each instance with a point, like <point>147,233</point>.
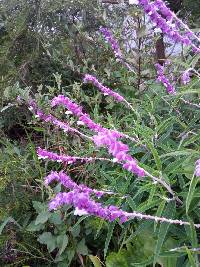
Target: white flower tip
<point>68,112</point>
<point>80,123</point>
<point>42,157</point>
<point>133,2</point>
<point>80,212</point>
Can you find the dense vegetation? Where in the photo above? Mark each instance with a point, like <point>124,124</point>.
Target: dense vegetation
<point>46,49</point>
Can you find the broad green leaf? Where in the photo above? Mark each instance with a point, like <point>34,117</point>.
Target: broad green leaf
<point>76,230</point>
<point>62,242</point>
<point>82,248</point>
<point>48,239</point>
<point>39,206</point>
<point>42,217</point>
<point>56,218</point>
<point>32,227</point>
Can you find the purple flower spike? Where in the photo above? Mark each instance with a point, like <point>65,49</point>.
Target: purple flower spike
<point>44,154</point>
<point>83,117</point>
<point>197,170</point>
<point>64,100</point>
<point>163,79</point>
<point>67,182</point>
<point>105,90</point>
<point>185,77</point>
<point>83,204</point>
<point>119,151</point>
<point>111,40</point>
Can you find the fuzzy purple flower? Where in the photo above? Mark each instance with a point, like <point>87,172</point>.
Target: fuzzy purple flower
<point>111,40</point>
<point>119,151</point>
<point>197,169</point>
<point>185,77</point>
<point>67,182</point>
<point>83,117</point>
<point>53,120</point>
<point>163,79</point>
<point>104,136</point>
<point>71,106</point>
<point>44,154</point>
<point>105,90</point>
<point>83,204</point>
<point>178,23</point>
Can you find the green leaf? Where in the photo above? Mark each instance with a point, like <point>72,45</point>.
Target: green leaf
<point>56,218</point>
<point>159,212</point>
<point>108,238</point>
<point>39,206</point>
<point>163,229</point>
<point>163,126</point>
<point>191,258</point>
<point>143,226</point>
<point>47,239</point>
<point>32,227</point>
<point>156,156</point>
<point>95,260</point>
<point>191,192</point>
<point>62,242</point>
<point>42,217</point>
<point>78,222</point>
<point>82,248</point>
<point>186,152</point>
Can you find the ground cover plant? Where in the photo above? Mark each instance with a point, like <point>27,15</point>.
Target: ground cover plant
<point>109,176</point>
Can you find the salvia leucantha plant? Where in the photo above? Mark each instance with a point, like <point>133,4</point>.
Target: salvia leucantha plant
<point>89,201</point>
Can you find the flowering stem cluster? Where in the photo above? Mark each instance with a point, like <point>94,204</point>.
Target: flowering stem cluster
<point>104,137</point>
<point>83,198</point>
<point>80,198</point>
<point>84,118</point>
<point>168,23</point>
